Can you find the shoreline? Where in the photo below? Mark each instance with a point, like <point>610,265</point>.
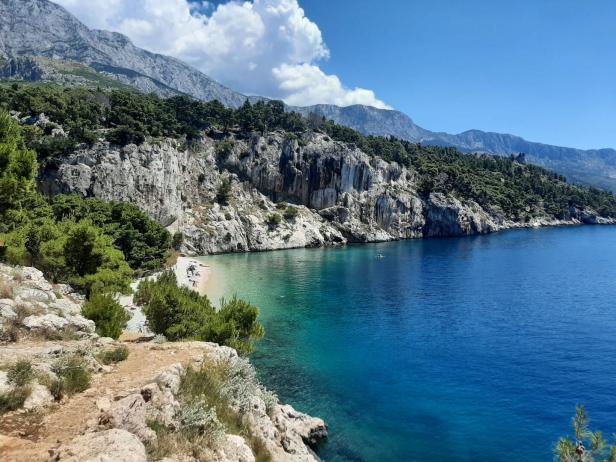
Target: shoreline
<point>192,273</point>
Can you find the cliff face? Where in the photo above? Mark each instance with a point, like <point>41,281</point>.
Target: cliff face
<point>338,193</point>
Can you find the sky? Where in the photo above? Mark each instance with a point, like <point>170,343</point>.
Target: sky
<point>541,69</point>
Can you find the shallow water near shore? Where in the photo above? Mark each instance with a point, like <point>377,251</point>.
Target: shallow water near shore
<point>465,349</point>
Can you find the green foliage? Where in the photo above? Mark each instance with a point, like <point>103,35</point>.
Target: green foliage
<point>13,399</point>
<point>20,373</point>
<point>92,244</point>
<point>181,313</point>
<point>274,219</point>
<point>114,355</point>
<point>143,242</point>
<point>73,375</point>
<point>588,446</point>
<point>500,184</point>
<point>18,165</point>
<point>108,315</point>
<point>177,241</point>
<point>290,213</point>
<point>224,192</point>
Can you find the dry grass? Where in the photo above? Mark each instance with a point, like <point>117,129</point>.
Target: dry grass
<point>205,385</point>
<point>6,288</point>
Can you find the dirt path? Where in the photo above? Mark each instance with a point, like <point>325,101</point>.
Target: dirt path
<point>29,437</point>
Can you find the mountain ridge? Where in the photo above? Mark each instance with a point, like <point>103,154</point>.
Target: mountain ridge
<point>42,28</point>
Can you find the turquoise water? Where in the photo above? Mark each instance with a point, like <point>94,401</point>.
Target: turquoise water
<point>466,349</point>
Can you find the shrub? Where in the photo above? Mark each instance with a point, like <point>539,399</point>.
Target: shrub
<point>290,213</point>
<point>108,315</point>
<point>20,373</point>
<point>273,220</point>
<point>180,313</point>
<point>177,240</point>
<point>73,374</point>
<point>113,356</point>
<point>198,420</point>
<point>13,399</point>
<point>224,192</point>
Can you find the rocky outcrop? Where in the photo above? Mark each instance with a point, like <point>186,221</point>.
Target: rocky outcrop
<point>111,445</point>
<point>335,193</point>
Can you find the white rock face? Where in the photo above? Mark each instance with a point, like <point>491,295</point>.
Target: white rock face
<point>339,193</point>
<point>113,445</point>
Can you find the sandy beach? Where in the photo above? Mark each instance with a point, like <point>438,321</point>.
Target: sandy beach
<point>192,273</point>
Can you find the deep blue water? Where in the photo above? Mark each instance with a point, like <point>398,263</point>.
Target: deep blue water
<point>466,349</point>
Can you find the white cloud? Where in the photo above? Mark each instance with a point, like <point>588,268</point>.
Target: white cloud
<point>262,47</point>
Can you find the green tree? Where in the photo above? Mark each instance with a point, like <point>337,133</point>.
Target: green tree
<point>108,315</point>
<point>18,165</point>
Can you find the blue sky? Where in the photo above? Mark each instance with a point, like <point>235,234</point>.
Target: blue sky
<point>541,69</point>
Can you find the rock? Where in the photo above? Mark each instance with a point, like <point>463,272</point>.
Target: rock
<point>47,321</point>
<point>312,430</point>
<point>128,414</point>
<point>54,322</point>
<point>171,378</point>
<point>4,382</point>
<point>235,449</point>
<point>34,295</point>
<point>161,404</point>
<point>113,445</point>
<point>40,397</point>
<point>7,310</point>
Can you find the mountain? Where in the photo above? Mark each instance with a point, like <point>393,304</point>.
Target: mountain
<point>595,167</point>
<point>42,28</point>
<point>40,40</point>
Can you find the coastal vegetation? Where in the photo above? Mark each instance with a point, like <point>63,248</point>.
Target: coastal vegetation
<point>93,245</point>
<point>87,115</point>
<point>180,313</point>
<point>587,446</point>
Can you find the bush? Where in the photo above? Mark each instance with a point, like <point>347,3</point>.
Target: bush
<point>181,313</point>
<point>113,356</point>
<point>13,399</point>
<point>73,375</point>
<point>274,220</point>
<point>20,373</point>
<point>108,315</point>
<point>290,213</point>
<point>177,241</point>
<point>224,192</point>
<point>198,420</point>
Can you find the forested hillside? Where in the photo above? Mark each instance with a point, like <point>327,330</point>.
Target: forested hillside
<point>84,116</point>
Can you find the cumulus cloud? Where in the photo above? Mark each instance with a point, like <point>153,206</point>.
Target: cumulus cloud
<point>261,47</point>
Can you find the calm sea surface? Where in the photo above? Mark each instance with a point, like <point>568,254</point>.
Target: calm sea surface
<point>466,349</point>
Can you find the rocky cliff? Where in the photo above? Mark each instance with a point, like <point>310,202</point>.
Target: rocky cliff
<point>284,193</point>
<point>128,407</point>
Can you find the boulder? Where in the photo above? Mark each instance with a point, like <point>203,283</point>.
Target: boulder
<point>31,294</point>
<point>54,322</point>
<point>171,378</point>
<point>289,421</point>
<point>161,404</point>
<point>113,445</point>
<point>40,397</point>
<point>235,449</point>
<point>128,414</point>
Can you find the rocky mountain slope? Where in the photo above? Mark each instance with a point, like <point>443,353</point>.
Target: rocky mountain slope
<point>43,29</point>
<point>596,167</point>
<point>283,194</point>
